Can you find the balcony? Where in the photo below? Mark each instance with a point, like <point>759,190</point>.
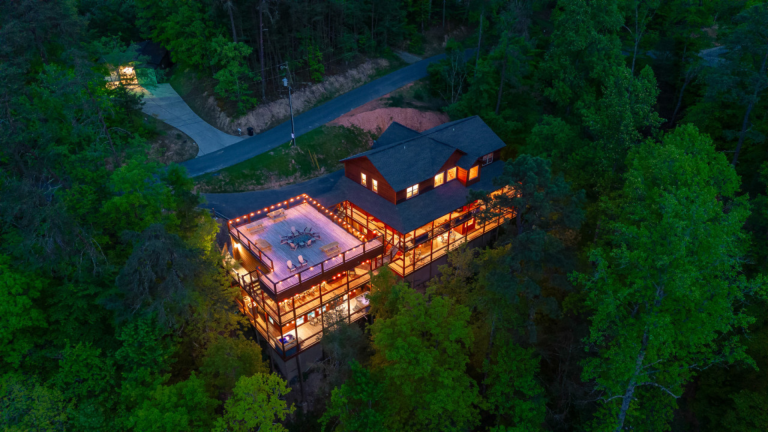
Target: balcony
<point>268,245</point>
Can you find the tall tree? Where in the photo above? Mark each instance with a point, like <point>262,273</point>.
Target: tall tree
<point>514,396</point>
<point>179,407</point>
<point>638,16</point>
<point>533,257</point>
<point>742,77</point>
<point>421,354</point>
<point>229,5</point>
<point>606,129</point>
<point>584,49</point>
<point>257,403</point>
<point>357,404</point>
<point>234,76</point>
<point>666,290</point>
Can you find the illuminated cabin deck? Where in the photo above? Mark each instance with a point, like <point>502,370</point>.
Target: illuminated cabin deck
<point>299,217</point>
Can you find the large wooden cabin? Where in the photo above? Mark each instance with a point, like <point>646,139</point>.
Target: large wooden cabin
<point>403,203</point>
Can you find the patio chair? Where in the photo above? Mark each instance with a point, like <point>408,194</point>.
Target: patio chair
<point>309,242</point>
<point>290,265</point>
<point>293,231</point>
<point>292,246</point>
<point>307,229</point>
<point>302,262</point>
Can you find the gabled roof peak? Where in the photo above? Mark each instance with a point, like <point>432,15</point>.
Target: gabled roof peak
<point>420,156</point>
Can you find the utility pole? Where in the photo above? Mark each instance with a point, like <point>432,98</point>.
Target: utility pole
<point>290,104</point>
<point>261,52</point>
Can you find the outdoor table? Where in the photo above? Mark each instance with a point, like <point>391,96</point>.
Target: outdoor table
<point>299,240</point>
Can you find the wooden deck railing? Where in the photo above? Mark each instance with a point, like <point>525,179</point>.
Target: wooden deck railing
<point>325,267</point>
<point>258,253</point>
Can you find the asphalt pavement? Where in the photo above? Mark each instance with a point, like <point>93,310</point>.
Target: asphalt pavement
<point>318,116</point>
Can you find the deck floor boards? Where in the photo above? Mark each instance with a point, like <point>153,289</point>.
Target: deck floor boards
<point>303,215</point>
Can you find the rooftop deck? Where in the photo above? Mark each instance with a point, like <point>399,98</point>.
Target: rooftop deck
<point>277,254</point>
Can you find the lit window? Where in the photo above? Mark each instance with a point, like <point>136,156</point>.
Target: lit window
<point>375,185</point>
<point>450,174</point>
<point>438,179</point>
<point>412,191</point>
<point>363,179</point>
<point>473,172</point>
<point>487,159</point>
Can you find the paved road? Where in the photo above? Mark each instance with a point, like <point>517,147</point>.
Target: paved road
<point>164,103</point>
<point>408,57</point>
<point>232,205</point>
<point>309,120</point>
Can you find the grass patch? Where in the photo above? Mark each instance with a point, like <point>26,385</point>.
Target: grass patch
<point>168,144</point>
<point>316,153</point>
<point>395,63</point>
<point>415,96</point>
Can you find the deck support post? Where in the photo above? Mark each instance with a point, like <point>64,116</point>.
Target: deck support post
<point>301,378</point>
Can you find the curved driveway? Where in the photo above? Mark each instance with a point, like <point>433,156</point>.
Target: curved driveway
<point>265,141</point>
<point>164,103</point>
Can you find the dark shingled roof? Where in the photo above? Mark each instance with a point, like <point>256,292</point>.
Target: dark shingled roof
<point>394,133</point>
<point>426,153</point>
<point>417,211</point>
<point>408,162</point>
<point>153,51</point>
<point>334,188</point>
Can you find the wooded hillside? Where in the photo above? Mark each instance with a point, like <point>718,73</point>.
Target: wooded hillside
<point>628,292</point>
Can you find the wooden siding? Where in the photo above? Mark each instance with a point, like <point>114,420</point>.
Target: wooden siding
<point>429,184</point>
<point>462,176</point>
<point>451,162</point>
<point>353,168</point>
<point>479,173</point>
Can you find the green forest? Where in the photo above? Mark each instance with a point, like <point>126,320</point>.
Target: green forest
<point>628,293</point>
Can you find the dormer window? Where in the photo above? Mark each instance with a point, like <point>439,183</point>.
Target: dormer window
<point>487,159</point>
<point>363,180</point>
<point>473,172</point>
<point>439,179</point>
<point>375,185</point>
<point>412,191</point>
<point>450,174</point>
